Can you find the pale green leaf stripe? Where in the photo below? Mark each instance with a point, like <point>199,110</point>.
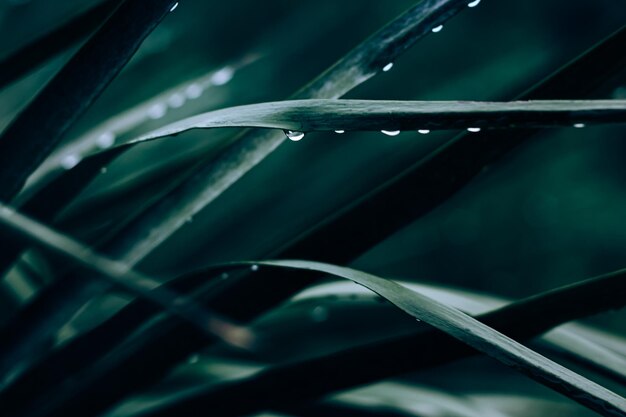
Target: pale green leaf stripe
<point>119,275</point>
<point>330,115</point>
<point>476,334</point>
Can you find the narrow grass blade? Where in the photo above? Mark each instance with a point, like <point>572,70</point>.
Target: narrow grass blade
<point>377,115</point>
<point>119,275</point>
<point>35,53</point>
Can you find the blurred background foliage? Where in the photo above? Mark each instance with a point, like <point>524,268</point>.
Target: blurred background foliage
<point>550,213</point>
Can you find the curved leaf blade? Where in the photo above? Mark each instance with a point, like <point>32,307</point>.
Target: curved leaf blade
<point>480,336</point>
<point>331,115</point>
<point>454,323</point>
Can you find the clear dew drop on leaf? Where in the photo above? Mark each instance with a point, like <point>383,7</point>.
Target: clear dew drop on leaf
<point>176,100</point>
<point>157,111</point>
<point>105,140</point>
<point>193,91</point>
<point>222,76</point>
<point>294,135</point>
<point>70,161</point>
<point>391,132</point>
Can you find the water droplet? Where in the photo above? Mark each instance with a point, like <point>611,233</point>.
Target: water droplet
<point>319,314</point>
<point>473,3</point>
<point>70,161</point>
<point>105,140</point>
<point>174,7</point>
<point>388,67</point>
<point>194,91</point>
<point>424,131</point>
<point>222,76</point>
<point>294,135</point>
<point>103,170</point>
<point>254,268</point>
<point>391,132</point>
<point>157,111</point>
<point>579,125</point>
<point>473,129</point>
<point>339,131</point>
<point>176,100</point>
<point>193,359</point>
<point>224,275</point>
<point>437,29</point>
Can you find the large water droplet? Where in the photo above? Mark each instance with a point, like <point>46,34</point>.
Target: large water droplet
<point>388,67</point>
<point>194,91</point>
<point>339,131</point>
<point>294,135</point>
<point>222,76</point>
<point>254,268</point>
<point>70,161</point>
<point>579,125</point>
<point>105,140</point>
<point>473,129</point>
<point>473,3</point>
<point>437,29</point>
<point>391,132</point>
<point>424,131</point>
<point>157,111</point>
<point>174,7</point>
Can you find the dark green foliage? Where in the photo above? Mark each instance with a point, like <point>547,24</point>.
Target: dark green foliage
<point>490,232</point>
